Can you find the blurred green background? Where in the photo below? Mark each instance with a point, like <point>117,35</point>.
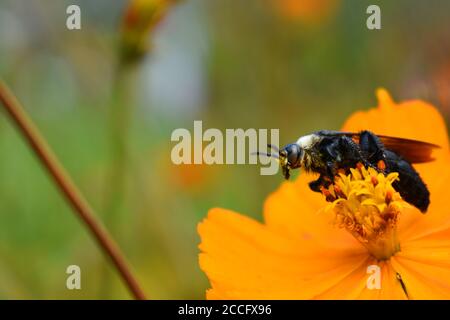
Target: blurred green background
<point>296,65</point>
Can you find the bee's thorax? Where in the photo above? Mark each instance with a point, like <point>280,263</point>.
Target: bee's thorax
<point>307,143</point>
<point>307,161</point>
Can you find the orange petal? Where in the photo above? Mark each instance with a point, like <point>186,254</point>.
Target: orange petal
<point>244,259</point>
<point>297,212</point>
<point>390,287</point>
<point>424,279</point>
<point>414,226</point>
<point>354,286</point>
<point>350,287</point>
<point>413,119</point>
<point>429,246</point>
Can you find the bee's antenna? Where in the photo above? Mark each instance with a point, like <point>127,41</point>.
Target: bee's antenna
<point>267,154</point>
<point>273,147</point>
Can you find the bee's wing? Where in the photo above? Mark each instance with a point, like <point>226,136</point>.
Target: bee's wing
<point>412,151</point>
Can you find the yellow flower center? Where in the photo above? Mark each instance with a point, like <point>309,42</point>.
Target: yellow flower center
<point>366,205</point>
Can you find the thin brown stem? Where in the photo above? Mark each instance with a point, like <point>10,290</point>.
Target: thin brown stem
<point>69,190</point>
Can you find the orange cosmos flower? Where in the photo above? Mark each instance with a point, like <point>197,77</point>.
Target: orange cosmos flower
<point>141,16</point>
<point>308,11</point>
<point>308,248</point>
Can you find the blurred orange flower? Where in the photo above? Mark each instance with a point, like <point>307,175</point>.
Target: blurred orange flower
<point>300,251</point>
<point>193,178</point>
<point>141,16</point>
<point>308,11</point>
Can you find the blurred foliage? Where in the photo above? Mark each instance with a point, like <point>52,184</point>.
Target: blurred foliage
<point>262,64</point>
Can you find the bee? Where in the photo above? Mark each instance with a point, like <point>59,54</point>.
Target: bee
<point>328,152</point>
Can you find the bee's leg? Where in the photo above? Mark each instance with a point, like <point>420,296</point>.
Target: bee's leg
<point>321,185</point>
<point>315,185</point>
<point>331,172</point>
<point>349,153</point>
<point>341,153</point>
<point>321,182</point>
<point>373,149</point>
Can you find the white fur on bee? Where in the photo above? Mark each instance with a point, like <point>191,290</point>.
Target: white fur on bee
<point>307,142</point>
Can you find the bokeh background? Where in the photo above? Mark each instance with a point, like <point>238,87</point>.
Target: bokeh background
<point>108,110</point>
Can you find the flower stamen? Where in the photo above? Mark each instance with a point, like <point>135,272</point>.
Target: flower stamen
<point>381,165</point>
<point>366,205</point>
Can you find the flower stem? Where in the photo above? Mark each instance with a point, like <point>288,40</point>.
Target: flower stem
<point>69,190</point>
<point>119,125</point>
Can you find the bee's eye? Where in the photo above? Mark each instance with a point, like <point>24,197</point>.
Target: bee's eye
<point>293,153</point>
<point>292,157</point>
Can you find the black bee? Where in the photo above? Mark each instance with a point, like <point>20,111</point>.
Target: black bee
<point>325,152</point>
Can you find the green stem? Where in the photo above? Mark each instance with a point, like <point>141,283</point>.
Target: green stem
<point>119,123</point>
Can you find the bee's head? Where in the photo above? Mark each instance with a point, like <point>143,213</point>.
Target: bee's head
<point>290,158</point>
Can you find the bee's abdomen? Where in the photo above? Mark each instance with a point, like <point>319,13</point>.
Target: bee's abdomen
<point>410,186</point>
